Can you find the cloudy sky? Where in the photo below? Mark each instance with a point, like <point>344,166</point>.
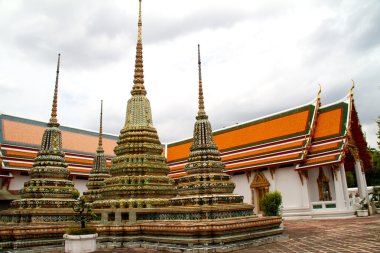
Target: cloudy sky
<point>258,57</point>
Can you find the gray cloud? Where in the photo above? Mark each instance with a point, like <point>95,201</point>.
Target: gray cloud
<point>258,59</point>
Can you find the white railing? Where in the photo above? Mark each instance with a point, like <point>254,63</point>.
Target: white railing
<point>323,205</point>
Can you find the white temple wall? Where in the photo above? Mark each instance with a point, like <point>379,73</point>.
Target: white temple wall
<point>80,185</point>
<point>289,184</point>
<point>242,187</point>
<point>18,181</point>
<point>271,181</point>
<point>285,180</point>
<point>313,185</point>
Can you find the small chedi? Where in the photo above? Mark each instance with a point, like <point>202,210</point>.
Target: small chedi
<point>99,172</point>
<point>206,185</point>
<point>139,173</point>
<point>44,211</point>
<point>49,186</point>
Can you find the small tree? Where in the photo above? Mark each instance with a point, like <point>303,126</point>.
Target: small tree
<point>271,203</point>
<point>83,214</point>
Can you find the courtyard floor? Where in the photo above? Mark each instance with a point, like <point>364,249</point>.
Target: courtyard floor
<point>327,235</point>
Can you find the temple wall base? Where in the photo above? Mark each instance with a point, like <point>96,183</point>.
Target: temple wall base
<point>220,235</point>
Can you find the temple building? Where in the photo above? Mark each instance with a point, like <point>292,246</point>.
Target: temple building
<point>302,152</point>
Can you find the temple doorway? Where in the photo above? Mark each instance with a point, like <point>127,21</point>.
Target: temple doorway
<point>259,187</point>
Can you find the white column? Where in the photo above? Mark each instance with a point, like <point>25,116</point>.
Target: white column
<point>365,185</point>
<point>339,195</point>
<point>305,192</point>
<point>344,182</point>
<point>359,179</point>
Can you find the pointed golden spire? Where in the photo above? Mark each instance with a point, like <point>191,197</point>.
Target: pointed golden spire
<point>138,87</point>
<point>201,106</point>
<point>100,144</point>
<point>139,32</point>
<point>352,88</point>
<point>53,119</point>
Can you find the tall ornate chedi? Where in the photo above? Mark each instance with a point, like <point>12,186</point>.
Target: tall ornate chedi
<point>49,186</point>
<point>139,174</point>
<point>99,170</point>
<point>206,183</point>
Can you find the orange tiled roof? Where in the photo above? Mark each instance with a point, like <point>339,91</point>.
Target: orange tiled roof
<point>29,134</point>
<point>257,143</point>
<point>20,139</point>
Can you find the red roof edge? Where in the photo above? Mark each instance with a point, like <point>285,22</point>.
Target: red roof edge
<point>359,138</point>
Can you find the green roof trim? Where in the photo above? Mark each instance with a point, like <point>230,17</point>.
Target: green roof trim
<point>340,147</point>
<point>299,158</point>
<point>267,153</point>
<point>338,158</point>
<point>180,143</point>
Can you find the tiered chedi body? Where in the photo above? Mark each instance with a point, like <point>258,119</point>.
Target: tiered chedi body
<point>139,174</point>
<point>99,170</point>
<point>49,186</point>
<point>206,183</point>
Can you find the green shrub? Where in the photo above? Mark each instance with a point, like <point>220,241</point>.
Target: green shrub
<point>271,203</point>
<point>80,231</point>
<point>351,181</point>
<point>75,194</point>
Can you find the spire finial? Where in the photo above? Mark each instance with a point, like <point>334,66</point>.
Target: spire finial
<point>138,87</point>
<point>352,88</point>
<point>201,106</point>
<point>100,145</point>
<point>139,35</point>
<point>319,91</point>
<point>53,119</point>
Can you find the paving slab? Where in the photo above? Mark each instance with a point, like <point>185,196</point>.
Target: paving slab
<point>327,235</point>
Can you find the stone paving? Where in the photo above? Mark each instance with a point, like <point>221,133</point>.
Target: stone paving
<point>329,235</point>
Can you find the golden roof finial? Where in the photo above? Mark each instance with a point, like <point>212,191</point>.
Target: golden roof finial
<point>100,145</point>
<point>352,88</point>
<point>138,87</point>
<point>319,91</point>
<point>53,119</point>
<point>201,106</point>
